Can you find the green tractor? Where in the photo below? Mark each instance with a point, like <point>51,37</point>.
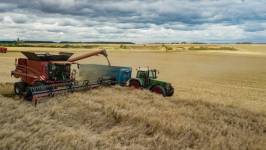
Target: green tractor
<point>147,79</point>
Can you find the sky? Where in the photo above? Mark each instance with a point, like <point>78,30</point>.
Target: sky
<point>139,21</point>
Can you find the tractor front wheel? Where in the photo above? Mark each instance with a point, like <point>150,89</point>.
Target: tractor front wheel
<point>158,90</point>
<point>19,88</point>
<point>135,84</point>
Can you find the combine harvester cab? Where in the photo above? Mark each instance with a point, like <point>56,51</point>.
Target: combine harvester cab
<point>41,69</point>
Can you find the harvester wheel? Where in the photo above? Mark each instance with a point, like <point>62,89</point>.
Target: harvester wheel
<point>158,90</point>
<point>28,94</point>
<point>19,88</point>
<point>134,84</point>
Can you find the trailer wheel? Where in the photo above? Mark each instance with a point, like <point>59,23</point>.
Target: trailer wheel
<point>158,90</point>
<point>19,88</point>
<point>135,84</point>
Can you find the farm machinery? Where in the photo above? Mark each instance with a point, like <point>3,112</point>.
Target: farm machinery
<point>44,75</point>
<point>147,78</point>
<point>3,50</point>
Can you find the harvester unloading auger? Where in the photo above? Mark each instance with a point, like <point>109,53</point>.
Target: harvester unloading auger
<point>45,75</point>
<point>102,52</point>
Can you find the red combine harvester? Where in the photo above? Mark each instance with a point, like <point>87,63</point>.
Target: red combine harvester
<point>3,50</point>
<point>45,75</point>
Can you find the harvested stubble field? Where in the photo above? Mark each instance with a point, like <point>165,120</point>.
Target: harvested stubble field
<point>219,103</point>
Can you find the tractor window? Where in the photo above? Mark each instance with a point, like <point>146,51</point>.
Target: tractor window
<point>141,74</point>
<point>152,74</point>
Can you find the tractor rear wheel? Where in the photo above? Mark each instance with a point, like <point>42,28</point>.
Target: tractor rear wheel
<point>135,84</point>
<point>19,88</point>
<point>158,90</point>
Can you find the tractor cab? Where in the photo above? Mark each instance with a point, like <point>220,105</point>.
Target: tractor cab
<point>146,75</point>
<point>142,73</point>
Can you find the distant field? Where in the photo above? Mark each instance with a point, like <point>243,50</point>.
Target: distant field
<point>229,48</point>
<point>219,103</point>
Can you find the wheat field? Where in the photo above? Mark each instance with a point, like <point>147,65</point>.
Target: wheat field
<point>219,103</point>
<point>121,118</point>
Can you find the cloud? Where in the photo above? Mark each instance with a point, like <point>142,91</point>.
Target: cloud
<point>134,20</point>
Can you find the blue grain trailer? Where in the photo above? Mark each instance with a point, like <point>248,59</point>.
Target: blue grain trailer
<point>104,73</point>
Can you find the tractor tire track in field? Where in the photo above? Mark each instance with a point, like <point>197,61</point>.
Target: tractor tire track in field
<point>122,118</point>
